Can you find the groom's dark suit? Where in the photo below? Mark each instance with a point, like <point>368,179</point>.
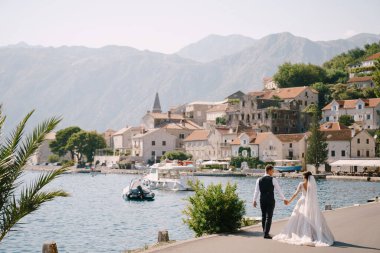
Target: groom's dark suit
<point>267,202</point>
<point>265,188</point>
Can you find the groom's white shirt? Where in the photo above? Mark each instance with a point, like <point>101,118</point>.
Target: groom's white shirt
<point>275,184</point>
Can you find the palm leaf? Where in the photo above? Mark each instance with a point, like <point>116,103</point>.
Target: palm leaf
<point>15,151</point>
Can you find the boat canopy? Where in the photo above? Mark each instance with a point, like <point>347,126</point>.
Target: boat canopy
<point>357,162</point>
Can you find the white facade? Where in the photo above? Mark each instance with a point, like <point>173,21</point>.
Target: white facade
<point>153,144</point>
<point>122,139</point>
<point>244,140</point>
<point>361,110</point>
<point>338,150</point>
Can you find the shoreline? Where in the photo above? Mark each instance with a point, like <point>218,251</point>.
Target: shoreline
<point>105,170</point>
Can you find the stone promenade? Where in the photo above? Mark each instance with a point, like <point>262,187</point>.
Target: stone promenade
<point>356,229</point>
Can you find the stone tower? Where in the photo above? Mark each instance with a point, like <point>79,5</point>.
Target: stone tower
<point>157,105</point>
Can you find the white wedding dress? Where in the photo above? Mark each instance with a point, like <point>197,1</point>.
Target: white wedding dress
<point>306,225</point>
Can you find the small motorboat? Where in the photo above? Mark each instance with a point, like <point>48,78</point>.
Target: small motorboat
<point>137,191</point>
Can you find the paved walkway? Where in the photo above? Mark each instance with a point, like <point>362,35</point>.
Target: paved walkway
<point>356,229</point>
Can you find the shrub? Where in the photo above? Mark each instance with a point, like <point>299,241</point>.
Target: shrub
<point>176,155</point>
<point>68,163</point>
<point>53,158</point>
<point>212,210</point>
<point>213,166</point>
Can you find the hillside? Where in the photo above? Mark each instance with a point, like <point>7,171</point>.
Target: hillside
<point>113,86</point>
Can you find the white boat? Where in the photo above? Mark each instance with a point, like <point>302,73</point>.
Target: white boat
<point>169,176</point>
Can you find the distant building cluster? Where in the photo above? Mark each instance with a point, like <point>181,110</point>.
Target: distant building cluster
<point>272,124</point>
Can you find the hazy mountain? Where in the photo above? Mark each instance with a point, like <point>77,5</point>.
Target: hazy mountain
<point>215,47</point>
<point>113,86</point>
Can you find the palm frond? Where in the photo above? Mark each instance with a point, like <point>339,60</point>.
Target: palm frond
<point>31,198</point>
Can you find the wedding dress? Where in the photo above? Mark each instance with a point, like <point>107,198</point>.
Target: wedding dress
<point>306,225</point>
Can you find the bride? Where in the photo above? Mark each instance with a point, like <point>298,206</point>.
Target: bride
<point>306,225</point>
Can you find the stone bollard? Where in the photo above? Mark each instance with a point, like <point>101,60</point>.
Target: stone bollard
<point>328,207</point>
<point>163,236</point>
<point>49,247</point>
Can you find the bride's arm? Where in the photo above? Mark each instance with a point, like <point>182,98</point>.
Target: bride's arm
<point>295,194</point>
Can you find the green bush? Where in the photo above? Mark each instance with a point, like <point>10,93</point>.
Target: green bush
<point>213,166</point>
<point>212,210</point>
<point>176,155</point>
<point>53,158</point>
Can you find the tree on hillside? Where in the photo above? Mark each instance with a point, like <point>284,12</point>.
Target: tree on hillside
<point>85,143</point>
<point>15,151</point>
<point>376,78</point>
<point>59,145</point>
<point>346,120</point>
<point>317,152</point>
<point>324,94</point>
<point>299,74</point>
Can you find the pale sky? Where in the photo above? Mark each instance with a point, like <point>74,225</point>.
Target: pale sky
<point>168,25</point>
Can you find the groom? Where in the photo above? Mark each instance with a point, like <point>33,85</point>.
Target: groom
<point>265,188</point>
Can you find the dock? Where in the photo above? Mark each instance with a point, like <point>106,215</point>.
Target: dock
<point>356,230</point>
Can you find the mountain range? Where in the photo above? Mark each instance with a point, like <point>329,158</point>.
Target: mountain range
<point>113,86</point>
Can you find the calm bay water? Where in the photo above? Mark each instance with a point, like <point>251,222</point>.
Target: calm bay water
<point>97,219</point>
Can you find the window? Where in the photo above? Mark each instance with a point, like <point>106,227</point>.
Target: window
<point>360,107</point>
<point>358,141</point>
<point>305,103</point>
<point>358,153</point>
<point>343,152</point>
<point>253,116</point>
<point>243,104</point>
<point>332,153</point>
<point>367,153</point>
<point>182,136</point>
<point>244,142</point>
<point>306,93</point>
<point>242,117</point>
<point>153,153</point>
<point>266,115</point>
<point>290,145</point>
<point>367,141</point>
<point>259,116</point>
<point>368,116</point>
<point>163,143</point>
<point>153,143</point>
<point>327,118</point>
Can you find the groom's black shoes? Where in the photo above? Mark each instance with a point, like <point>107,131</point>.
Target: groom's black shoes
<point>267,236</point>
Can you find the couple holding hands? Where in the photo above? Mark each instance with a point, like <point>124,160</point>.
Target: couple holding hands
<point>307,225</point>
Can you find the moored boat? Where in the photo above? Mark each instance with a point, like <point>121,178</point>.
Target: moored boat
<point>288,165</point>
<point>169,176</point>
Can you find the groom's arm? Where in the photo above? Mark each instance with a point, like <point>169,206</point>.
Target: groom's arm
<point>278,188</point>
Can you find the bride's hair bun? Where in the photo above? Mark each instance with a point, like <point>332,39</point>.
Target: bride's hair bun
<point>307,174</point>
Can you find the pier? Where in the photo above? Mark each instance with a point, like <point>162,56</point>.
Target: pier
<point>356,229</point>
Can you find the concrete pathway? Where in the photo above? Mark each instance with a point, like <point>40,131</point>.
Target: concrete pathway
<point>356,229</point>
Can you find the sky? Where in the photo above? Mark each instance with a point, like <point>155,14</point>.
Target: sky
<point>168,25</point>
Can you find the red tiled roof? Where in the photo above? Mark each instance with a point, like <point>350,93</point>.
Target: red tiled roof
<point>338,135</point>
<point>373,57</point>
<point>166,116</point>
<point>360,79</point>
<point>198,135</point>
<point>351,104</point>
<point>332,126</point>
<point>283,93</point>
<point>290,137</point>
